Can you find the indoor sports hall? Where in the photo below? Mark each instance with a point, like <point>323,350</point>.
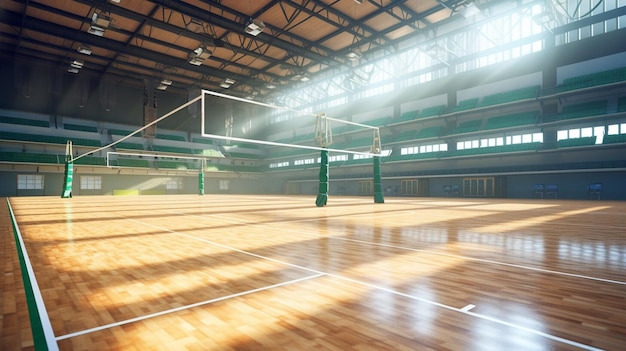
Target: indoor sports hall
<point>313,175</point>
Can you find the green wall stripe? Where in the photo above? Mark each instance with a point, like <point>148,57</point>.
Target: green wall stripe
<point>43,336</point>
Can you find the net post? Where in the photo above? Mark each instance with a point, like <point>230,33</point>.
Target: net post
<point>378,186</point>
<point>322,193</point>
<point>69,172</point>
<point>201,178</point>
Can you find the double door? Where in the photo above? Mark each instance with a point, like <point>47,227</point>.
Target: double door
<point>479,187</point>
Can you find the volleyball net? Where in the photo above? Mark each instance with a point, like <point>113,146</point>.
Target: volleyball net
<point>231,123</point>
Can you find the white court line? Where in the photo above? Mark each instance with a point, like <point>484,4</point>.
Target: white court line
<point>182,308</point>
<point>468,258</point>
<point>41,307</point>
<point>468,307</point>
<point>395,292</point>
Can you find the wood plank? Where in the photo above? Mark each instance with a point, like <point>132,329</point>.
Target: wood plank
<point>276,272</point>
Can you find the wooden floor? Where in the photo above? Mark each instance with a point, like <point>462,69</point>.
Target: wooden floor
<point>222,272</point>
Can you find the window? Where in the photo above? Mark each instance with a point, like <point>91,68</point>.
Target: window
<point>500,141</point>
<point>224,184</point>
<point>586,132</point>
<point>90,182</point>
<point>279,164</point>
<point>308,161</point>
<point>30,182</point>
<point>175,183</point>
<point>411,150</point>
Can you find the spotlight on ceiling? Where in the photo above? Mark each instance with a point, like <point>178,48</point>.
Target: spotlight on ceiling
<point>353,55</point>
<point>99,23</point>
<point>164,84</point>
<point>77,64</point>
<point>198,56</point>
<point>227,83</point>
<point>254,27</point>
<point>359,1</point>
<point>84,49</point>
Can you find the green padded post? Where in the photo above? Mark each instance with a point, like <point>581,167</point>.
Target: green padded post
<point>378,185</point>
<point>322,194</point>
<point>69,177</point>
<point>201,183</point>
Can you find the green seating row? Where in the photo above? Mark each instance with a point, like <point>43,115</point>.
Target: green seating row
<point>378,122</point>
<point>510,96</point>
<point>612,139</point>
<point>244,155</point>
<point>170,137</point>
<point>512,120</point>
<point>80,128</point>
<point>586,109</point>
<point>407,116</point>
<point>410,134</point>
<point>464,105</point>
<point>172,149</point>
<point>123,132</point>
<point>413,115</point>
<point>467,127</point>
<point>429,132</point>
<point>25,122</point>
<point>202,141</point>
<point>129,146</point>
<point>431,111</point>
<point>26,157</point>
<point>48,139</point>
<point>91,161</point>
<point>594,79</point>
<point>130,162</point>
<point>585,141</point>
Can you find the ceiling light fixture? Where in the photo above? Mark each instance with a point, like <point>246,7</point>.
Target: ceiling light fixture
<point>84,49</point>
<point>99,23</point>
<point>254,27</point>
<point>354,55</point>
<point>77,64</point>
<point>164,84</point>
<point>198,56</point>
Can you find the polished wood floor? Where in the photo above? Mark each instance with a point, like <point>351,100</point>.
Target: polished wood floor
<point>225,272</point>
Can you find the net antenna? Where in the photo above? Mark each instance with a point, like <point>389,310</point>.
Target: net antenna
<point>323,131</point>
